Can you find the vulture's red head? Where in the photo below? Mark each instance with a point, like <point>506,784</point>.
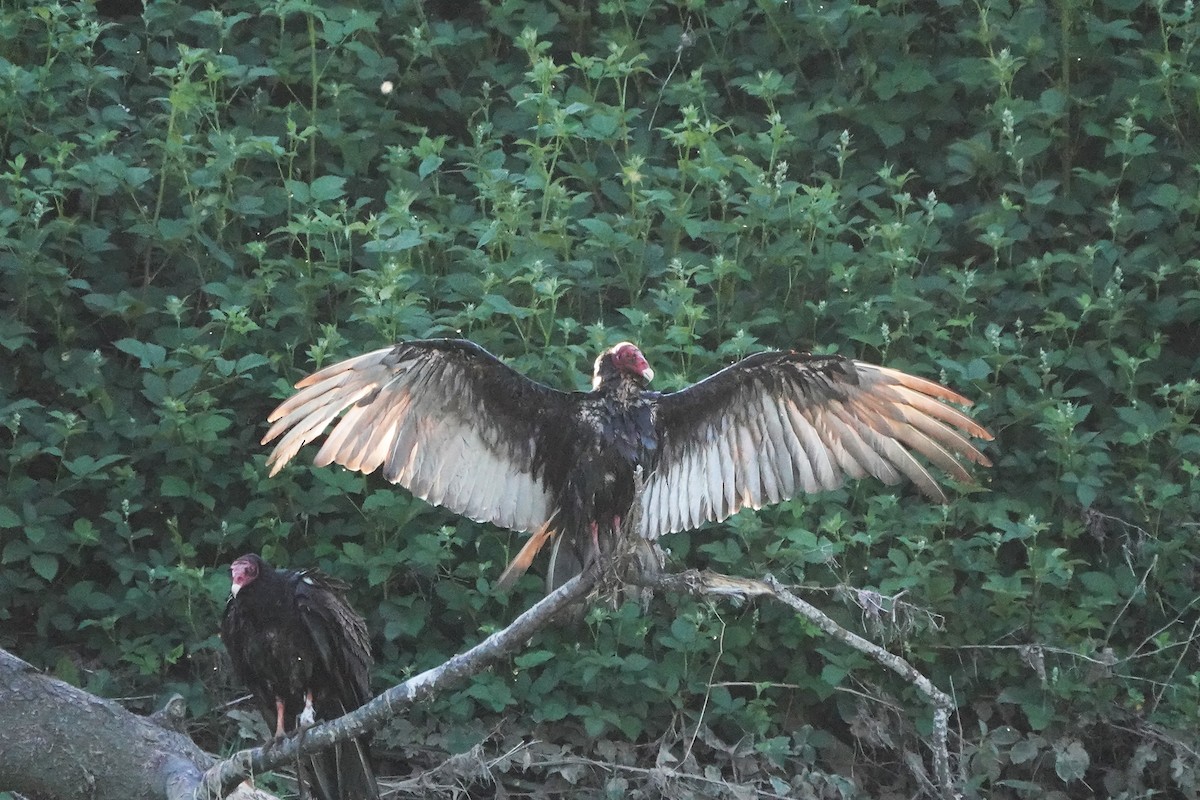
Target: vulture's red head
<point>244,571</point>
<point>623,359</point>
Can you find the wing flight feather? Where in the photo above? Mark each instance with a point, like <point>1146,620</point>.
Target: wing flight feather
<point>778,424</point>
<point>443,418</point>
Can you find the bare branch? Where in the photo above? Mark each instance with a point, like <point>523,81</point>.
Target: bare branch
<point>942,703</point>
<point>705,583</point>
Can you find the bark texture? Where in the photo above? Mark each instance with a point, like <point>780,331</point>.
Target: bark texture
<point>57,741</point>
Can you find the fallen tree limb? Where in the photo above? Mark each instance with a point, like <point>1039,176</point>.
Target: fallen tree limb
<point>60,741</point>
<point>219,780</point>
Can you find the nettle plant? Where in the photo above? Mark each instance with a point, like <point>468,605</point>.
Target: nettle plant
<point>200,205</point>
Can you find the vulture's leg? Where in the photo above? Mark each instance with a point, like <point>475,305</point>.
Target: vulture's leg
<point>308,716</point>
<point>614,539</point>
<point>595,556</point>
<point>279,730</point>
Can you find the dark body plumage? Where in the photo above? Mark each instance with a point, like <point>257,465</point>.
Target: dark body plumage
<point>458,428</point>
<point>294,640</point>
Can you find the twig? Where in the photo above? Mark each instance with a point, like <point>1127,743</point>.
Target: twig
<point>703,583</point>
<point>707,692</point>
<point>941,702</point>
<point>1137,651</point>
<point>649,771</point>
<point>1158,696</point>
<point>1141,589</point>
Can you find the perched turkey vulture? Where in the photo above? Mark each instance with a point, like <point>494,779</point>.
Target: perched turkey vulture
<point>304,654</point>
<point>457,427</point>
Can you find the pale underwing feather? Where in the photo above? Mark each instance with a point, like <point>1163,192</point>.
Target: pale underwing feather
<point>416,412</point>
<point>689,501</point>
<point>905,435</point>
<point>716,491</point>
<point>307,428</point>
<point>679,510</point>
<point>352,436</point>
<point>729,497</point>
<point>698,488</point>
<point>765,458</point>
<point>747,459</point>
<point>818,454</point>
<point>887,435</point>
<point>805,480</point>
<point>828,427</point>
<point>782,439</point>
<point>939,411</point>
<point>862,442</point>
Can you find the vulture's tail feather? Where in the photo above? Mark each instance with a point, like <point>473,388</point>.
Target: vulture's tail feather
<point>521,563</point>
<point>343,773</point>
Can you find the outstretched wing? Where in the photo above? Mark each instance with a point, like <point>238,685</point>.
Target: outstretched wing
<point>778,424</point>
<point>445,419</point>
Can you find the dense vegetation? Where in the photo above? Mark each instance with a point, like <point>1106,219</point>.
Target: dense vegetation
<point>198,205</point>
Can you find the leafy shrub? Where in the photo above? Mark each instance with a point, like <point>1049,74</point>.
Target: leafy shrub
<point>200,205</point>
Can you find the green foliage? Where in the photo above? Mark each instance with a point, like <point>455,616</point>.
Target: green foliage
<point>199,205</point>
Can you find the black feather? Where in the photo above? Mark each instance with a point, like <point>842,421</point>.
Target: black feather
<point>289,633</point>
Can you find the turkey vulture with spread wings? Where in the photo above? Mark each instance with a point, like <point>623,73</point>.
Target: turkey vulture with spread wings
<point>304,654</point>
<point>458,428</point>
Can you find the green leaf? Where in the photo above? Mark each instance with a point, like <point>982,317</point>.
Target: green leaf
<point>1026,749</point>
<point>429,164</point>
<point>1100,584</point>
<point>533,658</point>
<point>598,228</point>
<point>16,550</point>
<point>404,240</point>
<point>45,565</point>
<point>491,693</point>
<point>86,465</point>
<point>1072,762</point>
<point>8,519</point>
<point>174,486</point>
<point>13,334</point>
<point>833,674</point>
<point>85,532</point>
<point>150,355</point>
<point>1166,195</point>
<point>501,305</point>
<point>251,361</point>
<point>636,662</point>
<point>183,381</point>
<point>684,631</point>
<point>173,230</point>
<point>552,710</point>
<point>327,187</point>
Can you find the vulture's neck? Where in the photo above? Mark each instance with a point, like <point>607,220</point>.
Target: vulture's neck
<point>621,388</point>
